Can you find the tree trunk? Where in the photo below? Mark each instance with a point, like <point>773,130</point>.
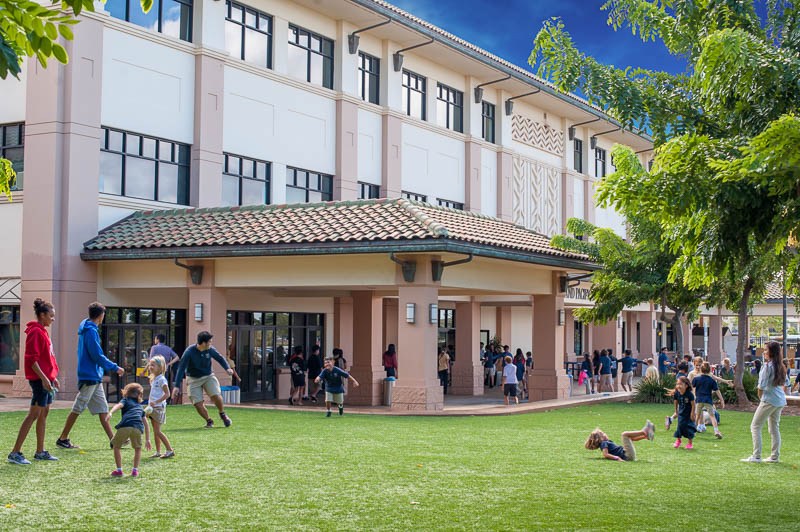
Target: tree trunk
<point>744,337</point>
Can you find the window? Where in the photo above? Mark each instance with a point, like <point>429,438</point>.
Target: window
<point>170,17</point>
<point>303,186</point>
<point>245,181</point>
<point>578,156</point>
<point>310,57</point>
<point>144,167</point>
<point>487,127</point>
<point>369,71</point>
<point>447,318</point>
<point>599,162</point>
<point>368,191</point>
<point>414,196</point>
<point>284,331</point>
<point>450,204</point>
<point>248,34</point>
<point>12,138</point>
<point>449,108</point>
<point>9,340</point>
<point>413,95</point>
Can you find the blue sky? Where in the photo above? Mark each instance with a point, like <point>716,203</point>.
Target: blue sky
<point>507,28</point>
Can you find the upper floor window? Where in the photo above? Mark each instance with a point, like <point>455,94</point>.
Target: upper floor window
<point>245,181</point>
<point>170,17</point>
<point>144,167</point>
<point>368,191</point>
<point>449,108</point>
<point>248,34</point>
<point>12,139</point>
<point>414,196</point>
<point>310,57</point>
<point>369,71</point>
<point>414,94</point>
<point>450,204</point>
<point>487,126</point>
<point>599,162</point>
<point>303,186</point>
<point>578,156</point>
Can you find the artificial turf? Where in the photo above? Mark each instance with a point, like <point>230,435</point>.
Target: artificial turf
<point>276,470</point>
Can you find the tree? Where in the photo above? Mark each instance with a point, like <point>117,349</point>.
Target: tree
<point>724,182</point>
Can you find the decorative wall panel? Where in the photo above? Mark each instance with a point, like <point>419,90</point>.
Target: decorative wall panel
<point>536,196</point>
<point>536,134</point>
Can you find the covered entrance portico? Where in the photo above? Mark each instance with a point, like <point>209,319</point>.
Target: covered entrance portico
<point>353,275</point>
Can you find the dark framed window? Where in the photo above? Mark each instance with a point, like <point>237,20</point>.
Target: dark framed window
<point>139,166</point>
<point>12,147</point>
<point>450,204</point>
<point>599,162</point>
<point>449,108</point>
<point>170,17</point>
<point>447,318</point>
<point>369,72</point>
<point>9,339</point>
<point>578,156</point>
<point>368,191</point>
<point>287,330</point>
<point>414,196</point>
<point>245,181</point>
<point>414,90</point>
<point>248,34</point>
<point>487,122</point>
<point>303,186</point>
<point>310,57</point>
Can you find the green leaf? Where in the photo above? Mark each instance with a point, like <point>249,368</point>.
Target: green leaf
<point>51,31</point>
<point>146,5</point>
<point>65,32</point>
<point>60,53</point>
<point>46,46</point>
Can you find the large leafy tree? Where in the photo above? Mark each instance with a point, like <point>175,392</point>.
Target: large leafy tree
<point>725,179</point>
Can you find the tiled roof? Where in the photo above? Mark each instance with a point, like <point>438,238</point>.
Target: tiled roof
<point>775,292</point>
<point>381,221</point>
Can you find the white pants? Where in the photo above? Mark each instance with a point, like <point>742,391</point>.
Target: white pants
<point>771,414</point>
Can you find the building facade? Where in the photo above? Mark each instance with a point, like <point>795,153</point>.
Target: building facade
<point>206,107</point>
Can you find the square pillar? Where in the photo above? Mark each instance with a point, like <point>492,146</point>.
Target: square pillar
<point>417,388</point>
<point>467,369</point>
<point>548,379</point>
<point>343,325</point>
<point>391,147</point>
<point>630,331</point>
<point>215,308</point>
<point>206,160</point>
<point>715,339</point>
<point>686,329</point>
<point>647,334</point>
<point>504,170</point>
<point>390,318</point>
<point>608,336</point>
<point>367,335</point>
<point>569,335</point>
<point>345,182</point>
<point>472,177</point>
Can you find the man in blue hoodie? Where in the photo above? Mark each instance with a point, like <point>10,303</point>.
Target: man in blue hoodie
<point>91,365</point>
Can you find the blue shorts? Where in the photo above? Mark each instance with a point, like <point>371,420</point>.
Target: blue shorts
<point>41,397</point>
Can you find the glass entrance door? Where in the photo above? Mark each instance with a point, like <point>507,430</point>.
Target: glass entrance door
<point>253,349</point>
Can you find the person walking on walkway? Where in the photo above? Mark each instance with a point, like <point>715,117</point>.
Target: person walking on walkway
<point>160,348</point>
<point>390,361</point>
<point>627,371</point>
<point>770,390</point>
<point>489,369</point>
<point>510,380</point>
<point>596,369</point>
<point>605,372</point>
<point>443,364</point>
<point>588,379</point>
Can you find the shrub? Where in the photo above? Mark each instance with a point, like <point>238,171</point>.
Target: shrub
<point>750,383</point>
<point>654,390</point>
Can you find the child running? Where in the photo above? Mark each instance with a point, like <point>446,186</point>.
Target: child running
<point>334,387</point>
<point>704,387</point>
<point>620,453</point>
<point>684,408</point>
<point>157,404</point>
<point>131,426</point>
<point>683,371</point>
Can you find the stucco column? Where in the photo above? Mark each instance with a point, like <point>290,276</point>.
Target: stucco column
<point>390,311</point>
<point>567,199</point>
<point>367,336</point>
<point>417,387</point>
<point>391,147</point>
<point>686,329</point>
<point>588,201</point>
<point>630,330</point>
<point>345,183</point>
<point>504,169</point>
<point>467,369</point>
<point>215,308</point>
<point>647,334</point>
<point>569,334</point>
<point>206,165</point>
<point>715,339</point>
<point>472,176</point>
<point>343,325</point>
<point>62,165</point>
<point>548,380</point>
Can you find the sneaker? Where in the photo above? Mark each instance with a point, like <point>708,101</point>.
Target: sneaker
<point>667,422</point>
<point>291,402</point>
<point>135,473</point>
<point>209,424</point>
<point>771,460</point>
<point>168,454</point>
<point>328,414</point>
<point>701,428</point>
<point>44,455</point>
<point>313,399</point>
<point>225,419</point>
<point>718,435</point>
<point>117,473</point>
<point>650,430</point>
<point>66,444</point>
<point>689,446</point>
<point>751,460</point>
<point>677,443</point>
<point>18,458</point>
<point>341,409</point>
<point>156,455</point>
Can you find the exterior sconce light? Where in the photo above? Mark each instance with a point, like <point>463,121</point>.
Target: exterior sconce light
<point>571,132</point>
<point>478,95</point>
<point>509,107</point>
<point>434,313</point>
<point>411,311</point>
<point>561,316</point>
<point>397,61</point>
<point>352,43</point>
<point>619,322</point>
<point>593,142</point>
<point>198,312</point>
<point>655,324</point>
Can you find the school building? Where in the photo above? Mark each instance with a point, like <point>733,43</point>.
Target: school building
<point>289,173</point>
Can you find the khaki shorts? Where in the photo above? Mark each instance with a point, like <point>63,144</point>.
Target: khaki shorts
<point>159,414</point>
<point>337,398</point>
<point>93,397</point>
<point>127,433</point>
<point>630,450</point>
<point>698,412</point>
<point>605,382</point>
<point>627,379</point>
<point>209,383</point>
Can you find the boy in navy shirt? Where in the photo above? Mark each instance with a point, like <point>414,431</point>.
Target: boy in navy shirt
<point>620,453</point>
<point>334,385</point>
<point>605,372</point>
<point>130,428</point>
<point>627,370</point>
<point>704,387</point>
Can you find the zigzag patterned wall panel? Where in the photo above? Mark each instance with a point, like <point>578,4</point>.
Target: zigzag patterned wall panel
<point>536,196</point>
<point>536,134</point>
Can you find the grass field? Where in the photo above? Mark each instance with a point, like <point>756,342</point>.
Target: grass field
<point>300,471</point>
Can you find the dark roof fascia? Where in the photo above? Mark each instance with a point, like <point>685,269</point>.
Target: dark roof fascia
<point>779,301</point>
<point>437,37</point>
<point>337,248</point>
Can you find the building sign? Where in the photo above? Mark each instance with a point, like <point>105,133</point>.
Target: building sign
<point>579,294</point>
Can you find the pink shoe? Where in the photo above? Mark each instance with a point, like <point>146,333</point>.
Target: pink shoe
<point>135,473</point>
<point>689,445</point>
<point>117,473</point>
<point>677,443</point>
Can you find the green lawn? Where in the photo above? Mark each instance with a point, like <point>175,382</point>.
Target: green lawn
<point>294,470</point>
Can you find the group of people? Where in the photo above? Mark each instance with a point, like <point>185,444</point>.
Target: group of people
<point>599,373</point>
<point>513,370</point>
<point>328,376</point>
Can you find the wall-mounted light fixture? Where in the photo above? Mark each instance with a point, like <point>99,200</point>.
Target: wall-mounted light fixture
<point>479,90</point>
<point>397,57</point>
<point>561,316</point>
<point>510,101</point>
<point>353,38</point>
<point>619,322</point>
<point>655,324</point>
<point>411,312</point>
<point>434,313</point>
<point>198,312</point>
<point>571,130</point>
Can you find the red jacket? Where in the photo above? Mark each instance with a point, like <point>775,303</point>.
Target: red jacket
<point>390,361</point>
<point>38,348</point>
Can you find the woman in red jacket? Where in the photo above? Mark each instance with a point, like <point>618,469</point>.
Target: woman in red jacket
<point>41,371</point>
<point>390,361</point>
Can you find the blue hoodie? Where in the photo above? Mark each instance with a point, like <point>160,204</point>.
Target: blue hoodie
<point>91,360</point>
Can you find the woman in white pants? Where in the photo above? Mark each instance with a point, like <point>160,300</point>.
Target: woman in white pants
<point>771,379</point>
